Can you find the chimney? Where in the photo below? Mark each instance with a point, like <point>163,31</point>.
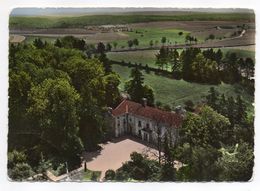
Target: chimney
<point>144,102</point>
<point>109,109</point>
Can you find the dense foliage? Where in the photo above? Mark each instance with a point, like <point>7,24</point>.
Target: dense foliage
<point>57,98</point>
<point>206,66</point>
<point>137,89</point>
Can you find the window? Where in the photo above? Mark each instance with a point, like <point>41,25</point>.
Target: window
<point>139,133</point>
<point>147,125</point>
<point>139,124</point>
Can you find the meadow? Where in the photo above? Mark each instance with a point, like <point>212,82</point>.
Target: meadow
<point>176,92</point>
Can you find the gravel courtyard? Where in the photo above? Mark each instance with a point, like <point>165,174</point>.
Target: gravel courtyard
<point>116,152</point>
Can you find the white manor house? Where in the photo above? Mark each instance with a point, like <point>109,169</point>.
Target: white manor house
<point>148,123</point>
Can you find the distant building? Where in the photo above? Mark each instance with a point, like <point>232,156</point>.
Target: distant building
<point>145,122</point>
<point>108,28</point>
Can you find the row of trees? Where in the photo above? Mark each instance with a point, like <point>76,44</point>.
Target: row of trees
<point>57,98</point>
<point>206,66</point>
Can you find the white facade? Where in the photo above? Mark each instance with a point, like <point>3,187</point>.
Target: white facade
<point>147,129</point>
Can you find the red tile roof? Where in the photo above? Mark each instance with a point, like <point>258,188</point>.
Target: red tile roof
<point>172,119</point>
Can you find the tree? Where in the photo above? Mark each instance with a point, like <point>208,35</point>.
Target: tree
<point>249,66</point>
<point>53,104</point>
<point>218,58</point>
<point>236,163</point>
<point>112,95</point>
<point>211,37</point>
<point>101,48</point>
<point>180,33</point>
<point>207,128</point>
<point>110,174</point>
<point>38,43</point>
<point>162,58</point>
<point>72,42</point>
<point>137,90</point>
<point>108,47</point>
<point>58,43</point>
<point>115,44</point>
<point>151,43</point>
<point>18,169</point>
<point>189,105</point>
<point>199,163</point>
<point>106,63</point>
<point>212,98</point>
<point>241,113</point>
<point>135,42</point>
<point>168,171</point>
<point>163,40</point>
<point>130,43</point>
<point>174,60</point>
<point>204,70</point>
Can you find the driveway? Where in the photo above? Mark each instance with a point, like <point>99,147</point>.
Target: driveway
<point>113,154</point>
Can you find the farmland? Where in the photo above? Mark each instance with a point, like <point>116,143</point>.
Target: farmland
<point>81,21</point>
<point>147,27</point>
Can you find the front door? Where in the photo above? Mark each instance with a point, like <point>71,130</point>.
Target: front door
<point>129,129</point>
<point>146,137</point>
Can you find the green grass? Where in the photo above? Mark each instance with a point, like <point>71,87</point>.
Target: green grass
<point>144,57</point>
<point>176,92</point>
<point>81,21</point>
<point>240,53</point>
<point>145,35</point>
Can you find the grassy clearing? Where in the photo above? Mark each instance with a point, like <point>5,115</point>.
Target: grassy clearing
<point>240,52</point>
<point>81,21</point>
<point>176,92</point>
<point>144,57</point>
<point>145,35</point>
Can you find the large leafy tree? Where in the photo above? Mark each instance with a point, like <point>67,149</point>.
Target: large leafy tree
<point>236,163</point>
<point>136,89</point>
<point>53,104</point>
<point>206,128</point>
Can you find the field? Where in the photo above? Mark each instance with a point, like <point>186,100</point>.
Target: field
<point>176,92</point>
<point>81,21</point>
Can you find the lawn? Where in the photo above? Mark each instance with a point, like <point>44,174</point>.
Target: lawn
<point>176,92</point>
<point>144,57</point>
